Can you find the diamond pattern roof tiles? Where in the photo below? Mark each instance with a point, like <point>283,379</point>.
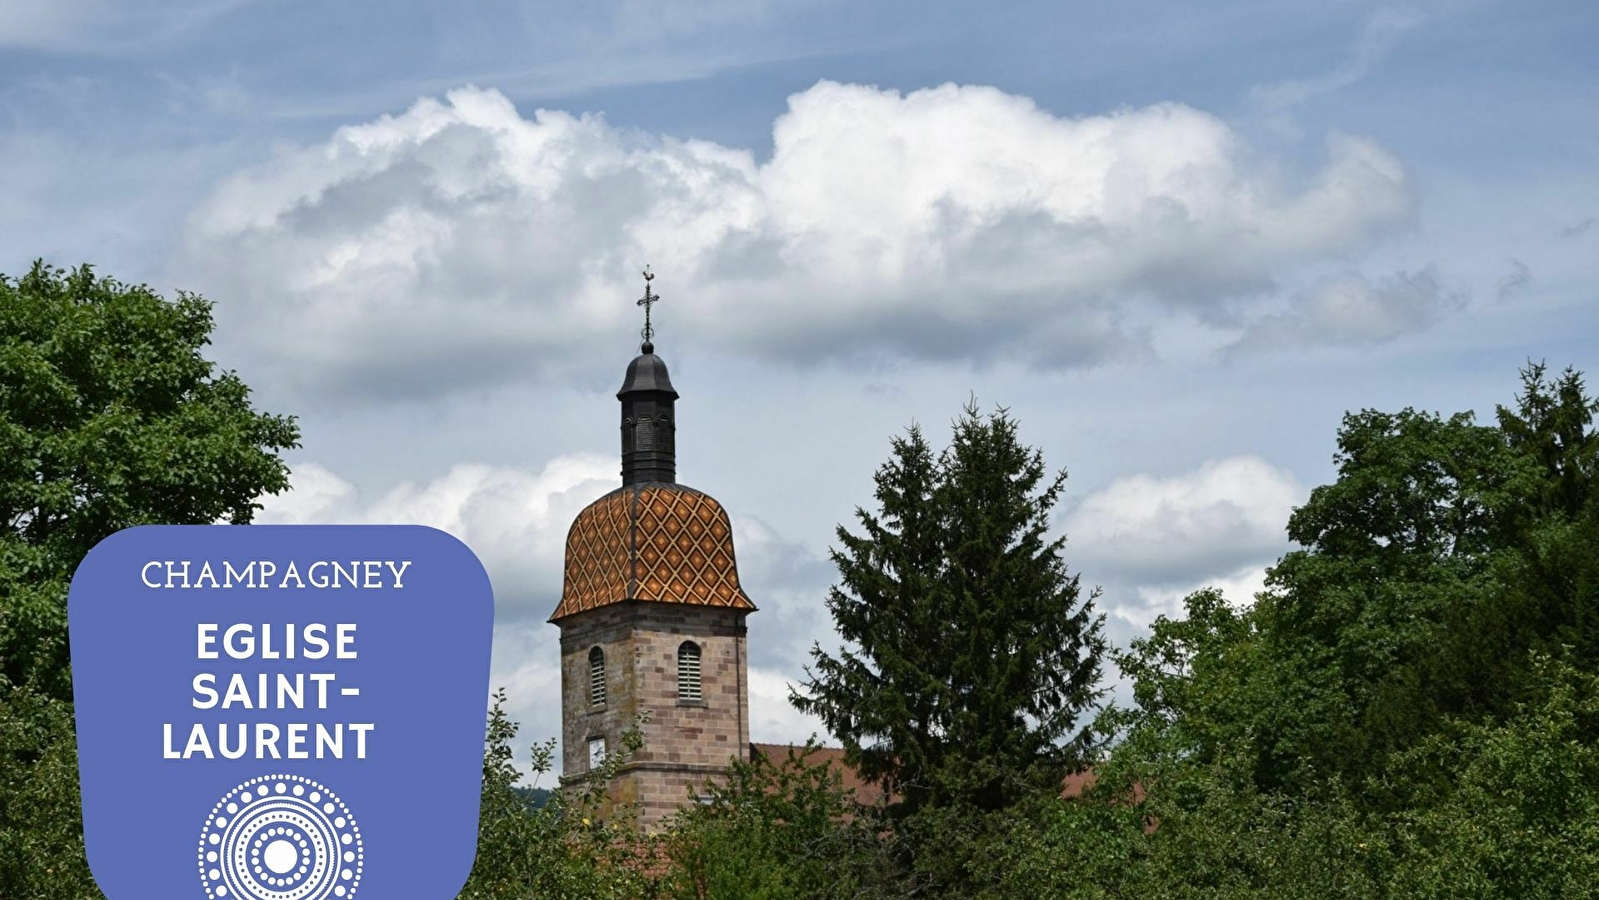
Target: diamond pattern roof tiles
<point>660,542</point>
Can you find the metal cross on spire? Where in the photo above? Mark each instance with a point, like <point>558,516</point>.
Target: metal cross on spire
<point>649,299</point>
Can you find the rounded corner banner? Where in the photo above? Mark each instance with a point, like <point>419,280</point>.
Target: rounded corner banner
<point>280,712</point>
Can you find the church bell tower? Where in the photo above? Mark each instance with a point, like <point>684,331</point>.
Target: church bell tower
<point>652,615</point>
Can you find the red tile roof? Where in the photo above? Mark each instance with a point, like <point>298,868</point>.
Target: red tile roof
<point>869,794</point>
<point>661,542</point>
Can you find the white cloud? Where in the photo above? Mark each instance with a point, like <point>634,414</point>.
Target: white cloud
<point>1348,310</point>
<point>316,496</point>
<point>460,243</point>
<point>1144,531</point>
<point>1151,541</point>
<point>788,583</point>
<point>774,720</point>
<point>527,664</point>
<point>514,520</point>
<point>1238,587</point>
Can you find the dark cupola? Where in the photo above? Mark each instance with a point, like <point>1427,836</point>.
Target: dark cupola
<point>649,452</point>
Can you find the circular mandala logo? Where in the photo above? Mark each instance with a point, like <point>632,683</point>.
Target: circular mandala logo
<point>280,837</point>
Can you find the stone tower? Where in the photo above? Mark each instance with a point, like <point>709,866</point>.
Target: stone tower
<point>652,618</point>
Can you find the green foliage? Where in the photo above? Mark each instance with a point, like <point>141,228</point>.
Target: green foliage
<point>1397,551</point>
<point>110,417</point>
<point>1507,809</point>
<point>777,829</point>
<point>41,821</point>
<point>1503,809</point>
<point>1552,598</point>
<point>534,797</point>
<point>976,654</point>
<point>1206,840</point>
<point>1408,710</point>
<point>1058,849</point>
<point>562,849</point>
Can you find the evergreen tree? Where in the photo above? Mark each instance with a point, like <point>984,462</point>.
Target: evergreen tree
<point>971,657</point>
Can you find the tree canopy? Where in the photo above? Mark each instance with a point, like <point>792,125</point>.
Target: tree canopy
<point>110,417</point>
<point>1429,574</point>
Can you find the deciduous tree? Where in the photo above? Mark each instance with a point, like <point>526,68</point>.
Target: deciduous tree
<point>110,417</point>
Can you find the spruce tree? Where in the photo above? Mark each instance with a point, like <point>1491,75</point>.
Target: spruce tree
<point>971,659</point>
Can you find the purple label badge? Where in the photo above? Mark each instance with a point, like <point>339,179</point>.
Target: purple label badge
<point>280,712</point>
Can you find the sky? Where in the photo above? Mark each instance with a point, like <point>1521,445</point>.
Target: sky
<point>1177,241</point>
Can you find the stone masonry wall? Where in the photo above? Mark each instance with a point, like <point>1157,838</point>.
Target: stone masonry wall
<point>686,742</point>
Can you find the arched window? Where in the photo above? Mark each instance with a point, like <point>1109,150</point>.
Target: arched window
<point>688,672</point>
<point>596,677</point>
<point>645,431</point>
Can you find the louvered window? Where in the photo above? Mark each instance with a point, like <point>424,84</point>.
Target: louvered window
<point>688,672</point>
<point>646,434</point>
<point>596,677</point>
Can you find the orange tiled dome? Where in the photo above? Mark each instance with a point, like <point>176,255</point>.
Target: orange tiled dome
<point>658,541</point>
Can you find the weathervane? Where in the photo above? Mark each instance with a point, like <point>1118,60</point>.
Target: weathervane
<point>648,300</point>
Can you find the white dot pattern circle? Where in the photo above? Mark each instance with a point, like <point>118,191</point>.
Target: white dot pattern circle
<point>267,840</point>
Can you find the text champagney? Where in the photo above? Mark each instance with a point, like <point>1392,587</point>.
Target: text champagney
<point>260,574</point>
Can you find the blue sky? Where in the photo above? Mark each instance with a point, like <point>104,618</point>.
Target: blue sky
<point>1178,241</point>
